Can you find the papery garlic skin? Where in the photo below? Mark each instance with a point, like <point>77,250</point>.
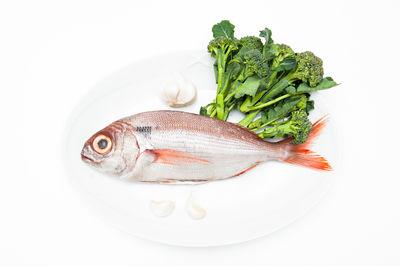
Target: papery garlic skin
<point>162,208</point>
<point>178,91</point>
<point>193,210</point>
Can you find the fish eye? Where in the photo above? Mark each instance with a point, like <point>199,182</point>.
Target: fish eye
<point>102,144</point>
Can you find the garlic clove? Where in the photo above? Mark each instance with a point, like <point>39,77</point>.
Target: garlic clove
<point>178,91</point>
<point>193,210</point>
<point>162,208</point>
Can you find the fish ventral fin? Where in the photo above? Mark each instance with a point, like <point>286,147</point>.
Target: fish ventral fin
<point>300,154</point>
<point>175,157</point>
<point>248,169</point>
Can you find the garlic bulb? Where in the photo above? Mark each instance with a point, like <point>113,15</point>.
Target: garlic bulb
<point>193,210</point>
<point>162,208</point>
<point>178,91</point>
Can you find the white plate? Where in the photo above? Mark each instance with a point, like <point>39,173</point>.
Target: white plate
<point>238,209</point>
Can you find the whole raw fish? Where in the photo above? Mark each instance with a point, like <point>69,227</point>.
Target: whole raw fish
<point>173,146</point>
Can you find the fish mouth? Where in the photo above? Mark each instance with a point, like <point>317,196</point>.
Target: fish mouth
<point>86,159</point>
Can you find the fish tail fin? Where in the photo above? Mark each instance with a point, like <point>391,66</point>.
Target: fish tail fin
<point>300,154</point>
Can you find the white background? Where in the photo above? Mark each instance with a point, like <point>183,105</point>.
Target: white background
<point>52,52</point>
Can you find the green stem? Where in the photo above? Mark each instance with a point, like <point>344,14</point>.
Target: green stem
<point>228,111</point>
<point>220,106</point>
<point>221,69</point>
<point>275,131</point>
<point>268,103</point>
<point>272,123</point>
<point>279,87</point>
<point>255,124</point>
<point>271,79</point>
<point>227,54</point>
<point>276,123</point>
<point>267,124</point>
<point>226,84</point>
<point>268,133</point>
<point>247,120</point>
<point>246,104</point>
<point>210,108</point>
<point>213,113</point>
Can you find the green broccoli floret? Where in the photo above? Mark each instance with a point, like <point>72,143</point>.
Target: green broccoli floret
<point>283,52</point>
<point>222,45</point>
<point>309,69</point>
<point>251,42</point>
<point>254,63</point>
<point>298,126</point>
<point>302,104</point>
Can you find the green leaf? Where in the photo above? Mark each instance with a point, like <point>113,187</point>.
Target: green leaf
<point>309,106</point>
<point>236,85</point>
<point>266,34</point>
<point>203,111</point>
<point>234,68</point>
<point>264,117</point>
<point>278,88</point>
<point>280,110</point>
<point>239,102</point>
<point>249,87</point>
<point>240,54</point>
<point>287,64</point>
<point>326,83</point>
<point>224,29</point>
<point>291,90</point>
<point>270,51</point>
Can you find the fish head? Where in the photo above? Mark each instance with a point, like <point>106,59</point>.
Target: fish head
<point>113,150</point>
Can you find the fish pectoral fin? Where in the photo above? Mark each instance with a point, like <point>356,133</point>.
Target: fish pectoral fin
<point>163,156</point>
<point>175,157</point>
